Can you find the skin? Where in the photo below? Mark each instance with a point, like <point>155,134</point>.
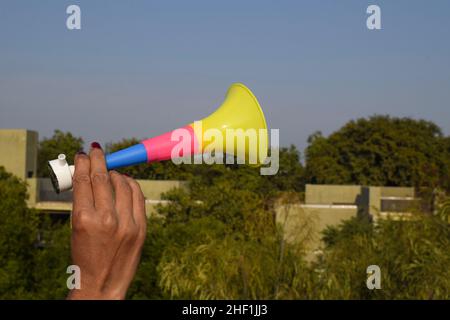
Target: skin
<point>108,228</point>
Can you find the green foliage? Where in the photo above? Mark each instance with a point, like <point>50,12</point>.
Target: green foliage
<point>34,254</point>
<point>51,260</point>
<point>354,227</point>
<point>444,210</point>
<point>381,151</point>
<point>50,148</point>
<point>217,264</point>
<point>219,238</point>
<point>213,248</point>
<point>290,176</point>
<point>17,237</point>
<point>412,254</point>
<point>203,259</point>
<point>210,247</point>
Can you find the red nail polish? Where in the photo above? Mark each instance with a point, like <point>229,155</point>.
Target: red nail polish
<point>81,152</point>
<point>127,175</point>
<point>95,145</point>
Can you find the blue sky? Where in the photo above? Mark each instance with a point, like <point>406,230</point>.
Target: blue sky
<point>140,68</point>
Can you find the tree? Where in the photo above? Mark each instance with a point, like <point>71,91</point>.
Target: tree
<point>50,148</point>
<point>412,254</point>
<point>18,228</point>
<point>381,150</point>
<point>34,251</point>
<point>219,239</point>
<point>218,264</point>
<point>51,259</point>
<point>290,176</point>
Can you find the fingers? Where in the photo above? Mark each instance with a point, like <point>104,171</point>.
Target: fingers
<point>138,204</point>
<point>123,194</point>
<point>93,189</point>
<point>82,188</point>
<point>101,186</point>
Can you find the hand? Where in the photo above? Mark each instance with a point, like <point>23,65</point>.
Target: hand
<point>108,228</point>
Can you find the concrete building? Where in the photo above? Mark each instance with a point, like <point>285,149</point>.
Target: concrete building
<point>18,154</point>
<point>330,205</point>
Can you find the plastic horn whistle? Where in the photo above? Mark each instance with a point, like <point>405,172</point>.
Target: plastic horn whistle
<point>240,110</point>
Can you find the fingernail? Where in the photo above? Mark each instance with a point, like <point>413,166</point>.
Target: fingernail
<point>127,175</point>
<point>81,152</point>
<point>95,145</point>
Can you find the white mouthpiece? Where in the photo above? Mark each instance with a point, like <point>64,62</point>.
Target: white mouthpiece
<point>61,173</point>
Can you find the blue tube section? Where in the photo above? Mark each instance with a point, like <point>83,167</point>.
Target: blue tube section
<point>127,157</point>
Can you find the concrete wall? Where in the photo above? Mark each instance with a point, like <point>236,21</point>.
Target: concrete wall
<point>153,189</point>
<point>331,194</point>
<point>32,188</point>
<point>398,192</point>
<point>47,193</point>
<point>31,154</point>
<point>370,203</point>
<point>305,223</point>
<point>18,152</point>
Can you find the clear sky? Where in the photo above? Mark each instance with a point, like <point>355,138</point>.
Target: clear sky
<point>140,68</point>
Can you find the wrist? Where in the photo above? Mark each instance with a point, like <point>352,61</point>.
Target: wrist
<point>80,294</point>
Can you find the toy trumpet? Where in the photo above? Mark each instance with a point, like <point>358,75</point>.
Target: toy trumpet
<point>240,110</point>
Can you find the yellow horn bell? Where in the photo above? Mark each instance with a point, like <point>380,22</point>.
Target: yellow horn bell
<point>241,112</point>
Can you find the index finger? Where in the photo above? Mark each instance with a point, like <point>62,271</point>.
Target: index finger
<point>82,188</point>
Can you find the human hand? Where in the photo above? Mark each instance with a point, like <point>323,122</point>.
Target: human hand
<point>108,228</point>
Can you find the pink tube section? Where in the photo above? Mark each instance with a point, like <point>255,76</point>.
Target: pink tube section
<point>160,148</point>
